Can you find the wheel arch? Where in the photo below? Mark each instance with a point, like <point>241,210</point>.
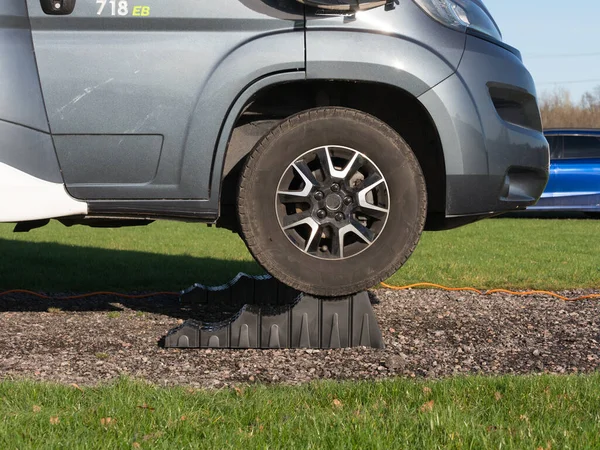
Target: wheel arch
<point>275,98</point>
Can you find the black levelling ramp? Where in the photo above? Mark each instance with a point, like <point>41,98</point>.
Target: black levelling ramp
<point>268,314</point>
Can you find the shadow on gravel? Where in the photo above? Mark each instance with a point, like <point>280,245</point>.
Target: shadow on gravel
<point>61,270</point>
<point>103,303</point>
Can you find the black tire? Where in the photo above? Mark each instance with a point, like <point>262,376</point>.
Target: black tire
<point>261,177</point>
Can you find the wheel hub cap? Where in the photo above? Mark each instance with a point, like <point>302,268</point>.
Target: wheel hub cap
<point>332,202</point>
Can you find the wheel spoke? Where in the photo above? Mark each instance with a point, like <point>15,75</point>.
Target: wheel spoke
<point>312,243</point>
<point>305,172</point>
<point>354,227</point>
<point>372,211</point>
<point>325,162</point>
<point>295,220</point>
<point>302,169</point>
<point>362,232</point>
<point>352,166</point>
<point>369,184</point>
<point>304,218</point>
<point>293,197</point>
<point>337,244</point>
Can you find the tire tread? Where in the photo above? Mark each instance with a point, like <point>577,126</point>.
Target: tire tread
<point>249,235</point>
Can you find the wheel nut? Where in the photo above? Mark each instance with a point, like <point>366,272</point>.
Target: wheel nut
<point>348,201</point>
<point>339,217</point>
<point>319,196</point>
<point>335,187</point>
<point>321,214</point>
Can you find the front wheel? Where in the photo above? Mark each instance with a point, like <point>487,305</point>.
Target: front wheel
<point>332,201</point>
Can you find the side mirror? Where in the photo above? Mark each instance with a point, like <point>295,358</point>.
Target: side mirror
<point>58,7</point>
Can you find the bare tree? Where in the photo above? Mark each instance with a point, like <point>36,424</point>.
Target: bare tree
<point>559,111</point>
<point>591,100</point>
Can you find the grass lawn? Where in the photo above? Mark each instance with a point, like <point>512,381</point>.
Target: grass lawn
<point>512,413</point>
<point>509,412</point>
<point>512,253</point>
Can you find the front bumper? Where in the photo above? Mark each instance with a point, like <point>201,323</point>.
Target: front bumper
<point>496,155</point>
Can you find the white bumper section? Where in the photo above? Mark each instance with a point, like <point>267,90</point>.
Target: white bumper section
<point>24,197</point>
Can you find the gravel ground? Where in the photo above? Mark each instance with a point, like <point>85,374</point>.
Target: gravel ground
<point>428,333</point>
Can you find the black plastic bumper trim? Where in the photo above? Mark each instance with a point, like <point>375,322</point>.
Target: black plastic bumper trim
<point>155,209</point>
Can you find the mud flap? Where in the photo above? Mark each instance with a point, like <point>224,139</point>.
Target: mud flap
<point>270,315</point>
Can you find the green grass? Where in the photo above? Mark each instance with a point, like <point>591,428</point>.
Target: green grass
<point>520,412</point>
<point>510,413</point>
<point>512,253</point>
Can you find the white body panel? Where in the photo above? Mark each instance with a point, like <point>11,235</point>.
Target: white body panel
<point>24,197</point>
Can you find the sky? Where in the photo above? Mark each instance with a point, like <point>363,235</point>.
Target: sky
<point>559,40</point>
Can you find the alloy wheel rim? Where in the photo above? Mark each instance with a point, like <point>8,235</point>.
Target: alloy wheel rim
<point>332,202</point>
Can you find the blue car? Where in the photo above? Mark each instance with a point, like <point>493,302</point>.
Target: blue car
<point>574,184</point>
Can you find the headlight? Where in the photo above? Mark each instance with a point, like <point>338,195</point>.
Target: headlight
<point>461,14</point>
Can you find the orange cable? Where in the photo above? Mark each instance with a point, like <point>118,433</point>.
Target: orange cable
<point>395,288</point>
<point>492,291</point>
<point>91,294</point>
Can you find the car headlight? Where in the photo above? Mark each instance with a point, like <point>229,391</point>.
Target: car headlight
<point>461,14</point>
